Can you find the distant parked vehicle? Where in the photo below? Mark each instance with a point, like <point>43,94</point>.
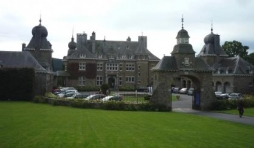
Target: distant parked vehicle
<point>235,96</point>
<point>183,91</point>
<point>175,90</point>
<point>112,98</point>
<point>190,91</point>
<point>217,94</point>
<point>224,96</point>
<point>81,96</point>
<point>62,94</point>
<point>95,97</point>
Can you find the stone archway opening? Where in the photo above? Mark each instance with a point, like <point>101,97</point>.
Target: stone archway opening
<point>187,101</point>
<point>218,86</point>
<point>227,88</point>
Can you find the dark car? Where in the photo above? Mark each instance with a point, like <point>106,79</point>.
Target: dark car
<point>175,90</point>
<point>81,96</point>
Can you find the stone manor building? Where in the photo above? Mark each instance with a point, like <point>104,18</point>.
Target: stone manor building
<point>121,64</point>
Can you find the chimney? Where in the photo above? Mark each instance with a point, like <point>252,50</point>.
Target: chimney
<point>23,46</point>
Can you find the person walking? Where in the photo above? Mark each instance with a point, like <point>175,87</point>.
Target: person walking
<point>240,108</point>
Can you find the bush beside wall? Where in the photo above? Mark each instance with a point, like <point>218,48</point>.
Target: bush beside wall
<point>17,84</point>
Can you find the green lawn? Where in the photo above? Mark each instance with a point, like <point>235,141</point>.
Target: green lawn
<point>30,125</point>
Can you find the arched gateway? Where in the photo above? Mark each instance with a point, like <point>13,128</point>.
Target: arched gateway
<point>183,63</point>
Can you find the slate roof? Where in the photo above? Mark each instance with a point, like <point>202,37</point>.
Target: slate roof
<point>39,40</point>
<point>62,73</point>
<point>212,46</point>
<point>233,65</point>
<point>183,49</point>
<point>14,59</point>
<point>182,34</point>
<point>117,48</point>
<point>168,63</point>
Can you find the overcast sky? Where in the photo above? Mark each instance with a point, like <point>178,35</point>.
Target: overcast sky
<point>159,20</point>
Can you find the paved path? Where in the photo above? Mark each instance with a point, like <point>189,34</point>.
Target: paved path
<point>184,106</point>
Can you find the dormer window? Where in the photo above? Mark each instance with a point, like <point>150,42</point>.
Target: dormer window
<point>82,56</point>
<point>124,57</point>
<point>100,56</point>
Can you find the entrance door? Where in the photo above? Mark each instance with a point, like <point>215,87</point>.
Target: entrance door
<point>111,82</point>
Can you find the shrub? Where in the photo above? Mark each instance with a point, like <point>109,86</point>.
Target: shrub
<point>40,99</point>
<point>147,97</point>
<point>104,88</point>
<point>127,88</point>
<point>230,104</point>
<point>113,105</point>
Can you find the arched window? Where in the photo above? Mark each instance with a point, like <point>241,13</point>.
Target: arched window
<point>218,86</point>
<point>227,88</point>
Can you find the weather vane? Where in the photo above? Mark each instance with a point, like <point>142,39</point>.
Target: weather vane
<point>212,26</point>
<point>182,21</point>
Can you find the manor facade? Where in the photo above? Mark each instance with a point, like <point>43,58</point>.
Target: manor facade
<point>121,64</point>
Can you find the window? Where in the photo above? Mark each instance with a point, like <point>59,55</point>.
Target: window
<point>120,81</point>
<point>129,79</point>
<point>82,66</point>
<point>99,80</point>
<point>82,56</point>
<point>120,66</point>
<point>139,66</point>
<point>112,67</point>
<point>99,66</point>
<point>139,74</point>
<point>81,81</point>
<point>130,67</point>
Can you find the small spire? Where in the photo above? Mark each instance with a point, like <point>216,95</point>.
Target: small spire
<point>72,31</point>
<point>104,38</point>
<point>212,26</point>
<point>40,20</point>
<point>142,33</point>
<point>182,21</point>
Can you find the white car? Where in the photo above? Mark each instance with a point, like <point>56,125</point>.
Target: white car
<point>112,98</point>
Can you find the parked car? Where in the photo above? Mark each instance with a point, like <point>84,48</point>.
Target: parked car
<point>217,94</point>
<point>235,96</point>
<point>95,97</point>
<point>190,91</point>
<point>81,96</point>
<point>224,96</point>
<point>183,91</point>
<point>175,90</point>
<point>63,93</point>
<point>112,98</point>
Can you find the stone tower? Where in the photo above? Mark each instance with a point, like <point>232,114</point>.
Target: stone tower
<point>40,47</point>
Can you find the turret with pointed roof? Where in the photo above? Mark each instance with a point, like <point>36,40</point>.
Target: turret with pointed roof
<point>40,47</point>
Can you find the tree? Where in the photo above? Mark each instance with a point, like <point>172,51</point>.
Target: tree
<point>235,48</point>
<point>250,58</point>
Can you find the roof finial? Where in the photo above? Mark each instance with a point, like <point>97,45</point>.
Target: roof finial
<point>72,31</point>
<point>182,21</point>
<point>212,26</point>
<point>104,38</point>
<point>40,20</point>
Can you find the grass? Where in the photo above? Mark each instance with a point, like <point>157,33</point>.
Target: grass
<point>30,125</point>
<point>247,112</point>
